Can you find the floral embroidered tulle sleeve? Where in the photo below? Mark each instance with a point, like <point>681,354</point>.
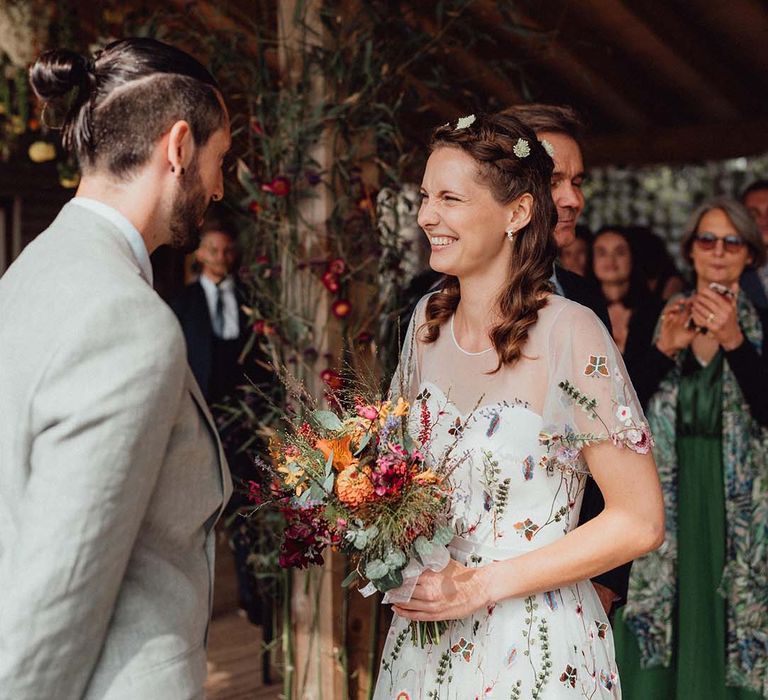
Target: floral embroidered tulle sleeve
<point>590,397</point>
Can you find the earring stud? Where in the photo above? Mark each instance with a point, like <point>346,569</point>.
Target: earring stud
<point>511,233</point>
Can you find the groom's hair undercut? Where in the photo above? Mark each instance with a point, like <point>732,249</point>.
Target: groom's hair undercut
<point>119,103</point>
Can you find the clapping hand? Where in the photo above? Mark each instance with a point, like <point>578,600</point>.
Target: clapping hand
<point>717,313</point>
<point>451,594</point>
<point>675,332</point>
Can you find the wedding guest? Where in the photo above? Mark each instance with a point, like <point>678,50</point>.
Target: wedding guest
<point>211,315</point>
<point>632,309</point>
<point>503,369</point>
<point>562,130</point>
<point>654,263</point>
<point>111,473</point>
<point>755,282</point>
<point>678,637</point>
<point>576,256</point>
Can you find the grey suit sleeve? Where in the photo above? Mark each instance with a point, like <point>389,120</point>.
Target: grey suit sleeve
<point>102,414</point>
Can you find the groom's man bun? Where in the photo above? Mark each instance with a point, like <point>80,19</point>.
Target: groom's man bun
<point>122,101</point>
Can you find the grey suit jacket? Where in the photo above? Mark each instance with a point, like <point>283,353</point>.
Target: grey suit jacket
<point>111,478</point>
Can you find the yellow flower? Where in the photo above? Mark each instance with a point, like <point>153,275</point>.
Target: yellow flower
<point>294,476</point>
<point>354,486</point>
<point>402,408</point>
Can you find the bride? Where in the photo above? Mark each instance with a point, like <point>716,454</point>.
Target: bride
<point>533,390</point>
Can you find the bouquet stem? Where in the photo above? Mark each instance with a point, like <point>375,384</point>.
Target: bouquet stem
<point>423,633</point>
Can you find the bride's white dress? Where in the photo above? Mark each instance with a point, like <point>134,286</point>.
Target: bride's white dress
<point>519,488</point>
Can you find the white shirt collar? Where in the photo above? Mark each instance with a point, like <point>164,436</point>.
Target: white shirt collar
<point>129,231</point>
<point>227,284</point>
<point>556,282</point>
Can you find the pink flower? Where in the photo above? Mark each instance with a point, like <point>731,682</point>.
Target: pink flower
<point>368,412</point>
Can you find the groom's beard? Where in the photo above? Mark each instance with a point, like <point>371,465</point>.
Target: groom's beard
<point>188,210</point>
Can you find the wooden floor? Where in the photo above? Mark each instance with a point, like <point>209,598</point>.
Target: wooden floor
<point>234,661</point>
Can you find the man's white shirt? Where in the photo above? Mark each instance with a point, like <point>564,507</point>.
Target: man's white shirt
<point>231,316</point>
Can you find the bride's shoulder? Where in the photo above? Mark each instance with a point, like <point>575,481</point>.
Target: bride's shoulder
<point>420,310</point>
<point>562,316</point>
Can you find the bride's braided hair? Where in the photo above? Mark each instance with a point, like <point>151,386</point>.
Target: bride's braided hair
<point>491,140</point>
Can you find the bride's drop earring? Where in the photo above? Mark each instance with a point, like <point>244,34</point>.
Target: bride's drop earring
<point>511,233</point>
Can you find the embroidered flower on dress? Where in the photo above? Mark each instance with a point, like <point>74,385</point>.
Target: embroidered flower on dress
<point>465,122</point>
<point>569,676</point>
<point>624,414</point>
<point>527,528</point>
<point>607,679</point>
<point>597,366</point>
<point>464,648</point>
<point>522,148</point>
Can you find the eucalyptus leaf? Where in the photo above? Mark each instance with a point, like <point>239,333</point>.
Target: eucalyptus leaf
<point>423,546</point>
<point>395,559</point>
<point>328,483</point>
<point>363,444</point>
<point>315,492</point>
<point>327,420</point>
<point>443,536</point>
<point>391,580</point>
<point>376,569</point>
<point>329,464</point>
<point>304,497</point>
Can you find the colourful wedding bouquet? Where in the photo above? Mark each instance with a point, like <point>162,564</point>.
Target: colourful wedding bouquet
<point>356,481</point>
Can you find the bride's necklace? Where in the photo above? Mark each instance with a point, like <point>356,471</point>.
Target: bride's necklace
<point>461,349</point>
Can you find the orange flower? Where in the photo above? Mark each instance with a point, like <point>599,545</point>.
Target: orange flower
<point>426,478</point>
<point>342,452</point>
<point>354,486</point>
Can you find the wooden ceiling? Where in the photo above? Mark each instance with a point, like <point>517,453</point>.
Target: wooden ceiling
<point>656,80</point>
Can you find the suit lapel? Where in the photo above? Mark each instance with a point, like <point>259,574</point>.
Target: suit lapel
<point>226,481</point>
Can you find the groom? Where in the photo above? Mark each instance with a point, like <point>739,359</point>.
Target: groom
<point>111,474</point>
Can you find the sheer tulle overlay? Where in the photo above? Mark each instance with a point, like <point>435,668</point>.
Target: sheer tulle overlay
<point>519,488</point>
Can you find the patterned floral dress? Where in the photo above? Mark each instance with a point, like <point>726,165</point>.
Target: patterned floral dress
<point>518,488</point>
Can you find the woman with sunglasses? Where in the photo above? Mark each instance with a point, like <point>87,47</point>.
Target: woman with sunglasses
<point>696,619</point>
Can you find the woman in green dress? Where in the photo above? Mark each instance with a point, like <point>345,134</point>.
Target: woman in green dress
<point>696,622</point>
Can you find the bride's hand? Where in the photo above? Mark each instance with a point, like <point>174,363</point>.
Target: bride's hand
<point>451,594</point>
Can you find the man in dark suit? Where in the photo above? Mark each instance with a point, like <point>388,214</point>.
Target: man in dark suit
<point>210,314</point>
<point>216,330</point>
<point>561,128</point>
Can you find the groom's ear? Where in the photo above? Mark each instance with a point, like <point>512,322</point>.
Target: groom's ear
<point>180,148</point>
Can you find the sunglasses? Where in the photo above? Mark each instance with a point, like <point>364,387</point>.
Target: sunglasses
<point>708,241</point>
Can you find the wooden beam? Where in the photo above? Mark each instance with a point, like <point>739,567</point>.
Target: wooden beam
<point>686,144</point>
<point>743,24</point>
<point>634,37</point>
<point>679,25</point>
<point>462,62</point>
<point>558,59</point>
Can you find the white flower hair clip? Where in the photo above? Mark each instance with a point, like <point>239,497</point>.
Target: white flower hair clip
<point>464,122</point>
<point>548,147</point>
<point>522,148</point>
